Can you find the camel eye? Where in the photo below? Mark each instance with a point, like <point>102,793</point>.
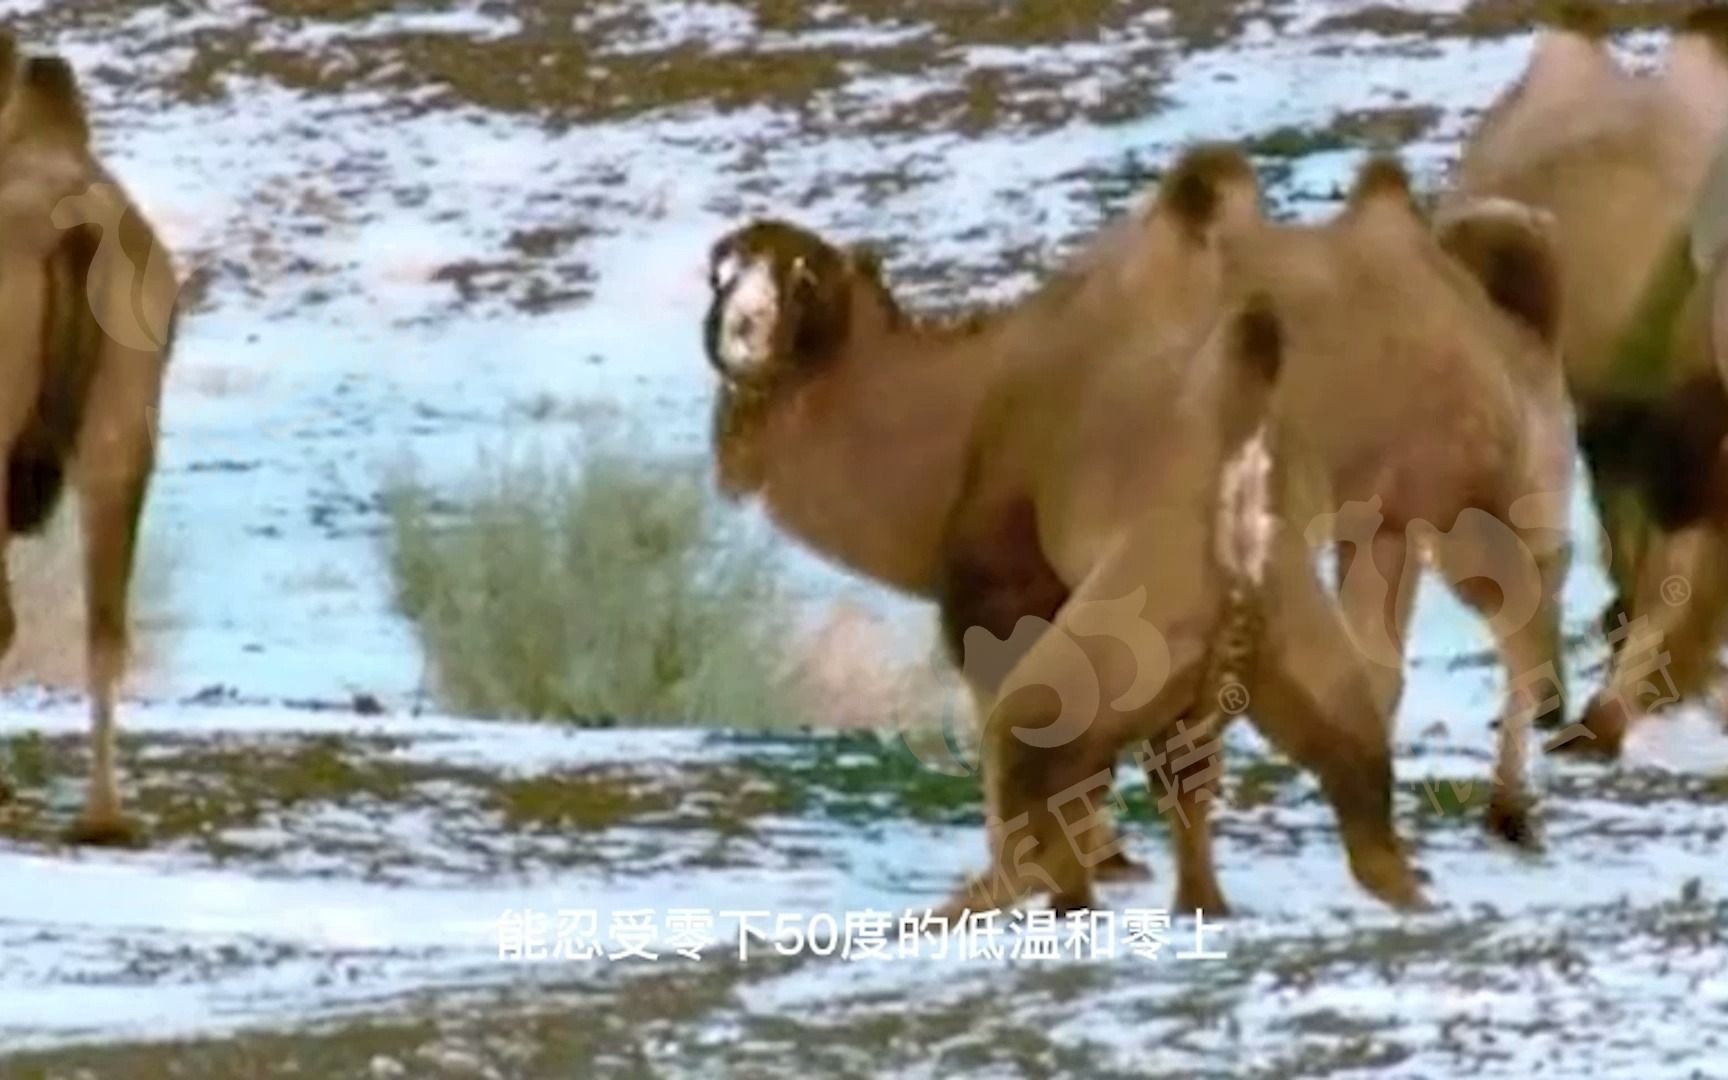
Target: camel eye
<point>803,278</point>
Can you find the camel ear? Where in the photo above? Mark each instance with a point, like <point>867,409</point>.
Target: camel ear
<point>1210,185</point>
<point>1509,249</point>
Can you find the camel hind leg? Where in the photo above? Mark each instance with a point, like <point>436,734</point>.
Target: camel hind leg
<point>116,454</point>
<point>1377,593</point>
<point>1115,864</point>
<point>999,583</point>
<point>1113,668</point>
<point>1311,696</point>
<point>1187,776</point>
<point>111,507</point>
<point>1668,653</point>
<point>1495,572</point>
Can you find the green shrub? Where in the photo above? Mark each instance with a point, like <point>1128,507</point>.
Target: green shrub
<point>610,587</point>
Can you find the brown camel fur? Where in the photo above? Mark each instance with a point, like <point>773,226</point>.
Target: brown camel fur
<point>88,300</point>
<point>1000,466</point>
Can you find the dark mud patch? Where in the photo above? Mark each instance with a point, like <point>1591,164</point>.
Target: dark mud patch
<point>576,61</point>
<point>551,1028</point>
<point>370,808</point>
<point>477,280</point>
<point>882,70</point>
<point>1381,130</point>
<point>388,809</point>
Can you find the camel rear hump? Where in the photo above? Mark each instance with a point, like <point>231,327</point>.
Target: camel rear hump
<point>53,104</point>
<point>1382,200</point>
<point>1211,184</point>
<point>1382,179</point>
<point>1571,51</point>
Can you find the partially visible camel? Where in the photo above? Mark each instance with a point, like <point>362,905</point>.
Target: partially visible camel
<point>87,300</point>
<point>1053,458</point>
<point>1619,161</point>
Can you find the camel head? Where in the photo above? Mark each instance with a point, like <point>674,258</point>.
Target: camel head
<point>784,305</point>
<point>782,300</point>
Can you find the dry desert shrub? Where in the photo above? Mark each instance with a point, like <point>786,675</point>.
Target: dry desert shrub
<point>611,586</point>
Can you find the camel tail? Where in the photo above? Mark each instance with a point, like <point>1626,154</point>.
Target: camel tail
<point>71,343</point>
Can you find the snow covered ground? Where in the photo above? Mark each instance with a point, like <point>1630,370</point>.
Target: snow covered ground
<point>335,877</point>
<point>410,224</point>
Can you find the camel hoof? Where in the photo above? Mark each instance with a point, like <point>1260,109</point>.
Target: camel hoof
<point>975,897</point>
<point>107,831</point>
<point>1599,735</point>
<point>1509,819</point>
<point>1392,879</point>
<point>1120,868</point>
<point>1211,904</point>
